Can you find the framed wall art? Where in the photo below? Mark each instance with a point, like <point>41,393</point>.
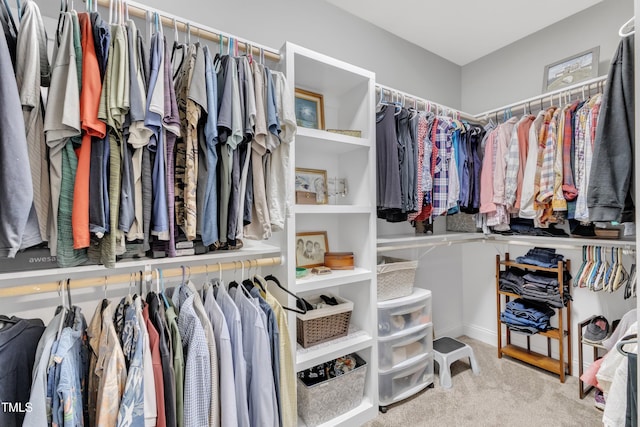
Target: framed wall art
<point>572,70</point>
<point>309,109</point>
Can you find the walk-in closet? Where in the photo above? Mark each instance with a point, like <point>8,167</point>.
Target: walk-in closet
<point>318,213</point>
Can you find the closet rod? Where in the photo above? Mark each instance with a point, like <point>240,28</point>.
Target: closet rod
<point>428,244</point>
<point>167,20</point>
<point>626,249</point>
<point>521,104</point>
<point>100,281</point>
<point>463,115</point>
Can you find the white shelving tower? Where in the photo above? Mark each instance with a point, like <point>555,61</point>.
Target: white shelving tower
<point>349,103</point>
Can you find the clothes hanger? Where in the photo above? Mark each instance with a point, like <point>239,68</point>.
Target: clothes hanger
<point>234,282</point>
<point>629,289</point>
<point>628,28</point>
<point>581,269</point>
<point>64,309</point>
<point>299,300</point>
<point>628,339</point>
<point>159,283</point>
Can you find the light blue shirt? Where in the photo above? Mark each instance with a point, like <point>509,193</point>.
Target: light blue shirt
<point>262,400</point>
<point>38,398</point>
<point>234,323</point>
<point>153,121</point>
<point>229,413</point>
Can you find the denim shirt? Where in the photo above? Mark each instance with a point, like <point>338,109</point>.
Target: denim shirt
<point>67,408</point>
<point>131,412</point>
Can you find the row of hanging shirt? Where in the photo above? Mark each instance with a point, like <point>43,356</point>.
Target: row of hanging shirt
<point>138,146</point>
<point>181,357</point>
<point>532,167</point>
<point>427,164</point>
<point>538,167</point>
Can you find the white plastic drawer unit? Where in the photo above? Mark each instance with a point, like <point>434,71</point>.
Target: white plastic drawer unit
<point>404,347</point>
<point>396,384</point>
<point>404,313</point>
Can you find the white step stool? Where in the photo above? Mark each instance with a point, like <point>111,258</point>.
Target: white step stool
<point>446,351</point>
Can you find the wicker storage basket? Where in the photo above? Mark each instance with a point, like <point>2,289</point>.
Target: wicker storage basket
<point>395,277</point>
<point>322,402</point>
<point>323,324</point>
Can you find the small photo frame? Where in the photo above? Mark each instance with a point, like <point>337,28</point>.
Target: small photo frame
<point>572,70</point>
<point>310,248</point>
<point>312,181</point>
<point>309,109</point>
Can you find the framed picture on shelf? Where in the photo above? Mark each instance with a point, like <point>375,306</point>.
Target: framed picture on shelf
<point>310,248</point>
<point>311,186</point>
<point>309,109</point>
<point>572,70</point>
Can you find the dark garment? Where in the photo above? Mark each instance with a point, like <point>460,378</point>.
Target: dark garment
<point>234,200</point>
<point>10,31</point>
<point>147,196</point>
<point>100,151</point>
<point>171,121</point>
<point>632,391</point>
<point>388,190</point>
<point>158,318</point>
<point>18,343</point>
<point>404,149</point>
<point>611,190</point>
<point>101,40</point>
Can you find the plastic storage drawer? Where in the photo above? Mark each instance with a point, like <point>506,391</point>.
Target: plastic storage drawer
<point>399,383</point>
<point>404,347</point>
<point>404,313</point>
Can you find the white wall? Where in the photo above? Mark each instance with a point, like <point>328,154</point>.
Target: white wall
<point>516,71</point>
<point>322,27</point>
<point>479,296</point>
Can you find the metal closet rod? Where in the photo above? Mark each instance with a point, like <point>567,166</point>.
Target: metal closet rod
<point>525,102</point>
<point>405,95</point>
<point>202,31</point>
<point>105,280</point>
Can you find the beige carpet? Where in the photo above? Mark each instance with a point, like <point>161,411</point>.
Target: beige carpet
<point>506,393</point>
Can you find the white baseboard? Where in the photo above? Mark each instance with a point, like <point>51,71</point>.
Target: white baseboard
<point>479,333</point>
<point>453,332</point>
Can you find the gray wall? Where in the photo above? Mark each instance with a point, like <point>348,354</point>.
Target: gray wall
<point>516,71</point>
<point>322,27</point>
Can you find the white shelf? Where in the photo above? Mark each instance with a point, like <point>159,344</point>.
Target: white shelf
<point>250,250</point>
<point>336,278</point>
<point>333,209</point>
<point>357,416</point>
<point>314,139</point>
<point>308,357</point>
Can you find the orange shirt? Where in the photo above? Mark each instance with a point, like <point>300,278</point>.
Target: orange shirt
<point>89,102</point>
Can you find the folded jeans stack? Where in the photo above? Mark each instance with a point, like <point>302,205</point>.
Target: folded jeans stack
<point>542,288</point>
<point>512,280</point>
<point>541,257</point>
<point>528,317</point>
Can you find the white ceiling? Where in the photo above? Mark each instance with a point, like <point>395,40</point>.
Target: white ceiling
<point>463,30</point>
